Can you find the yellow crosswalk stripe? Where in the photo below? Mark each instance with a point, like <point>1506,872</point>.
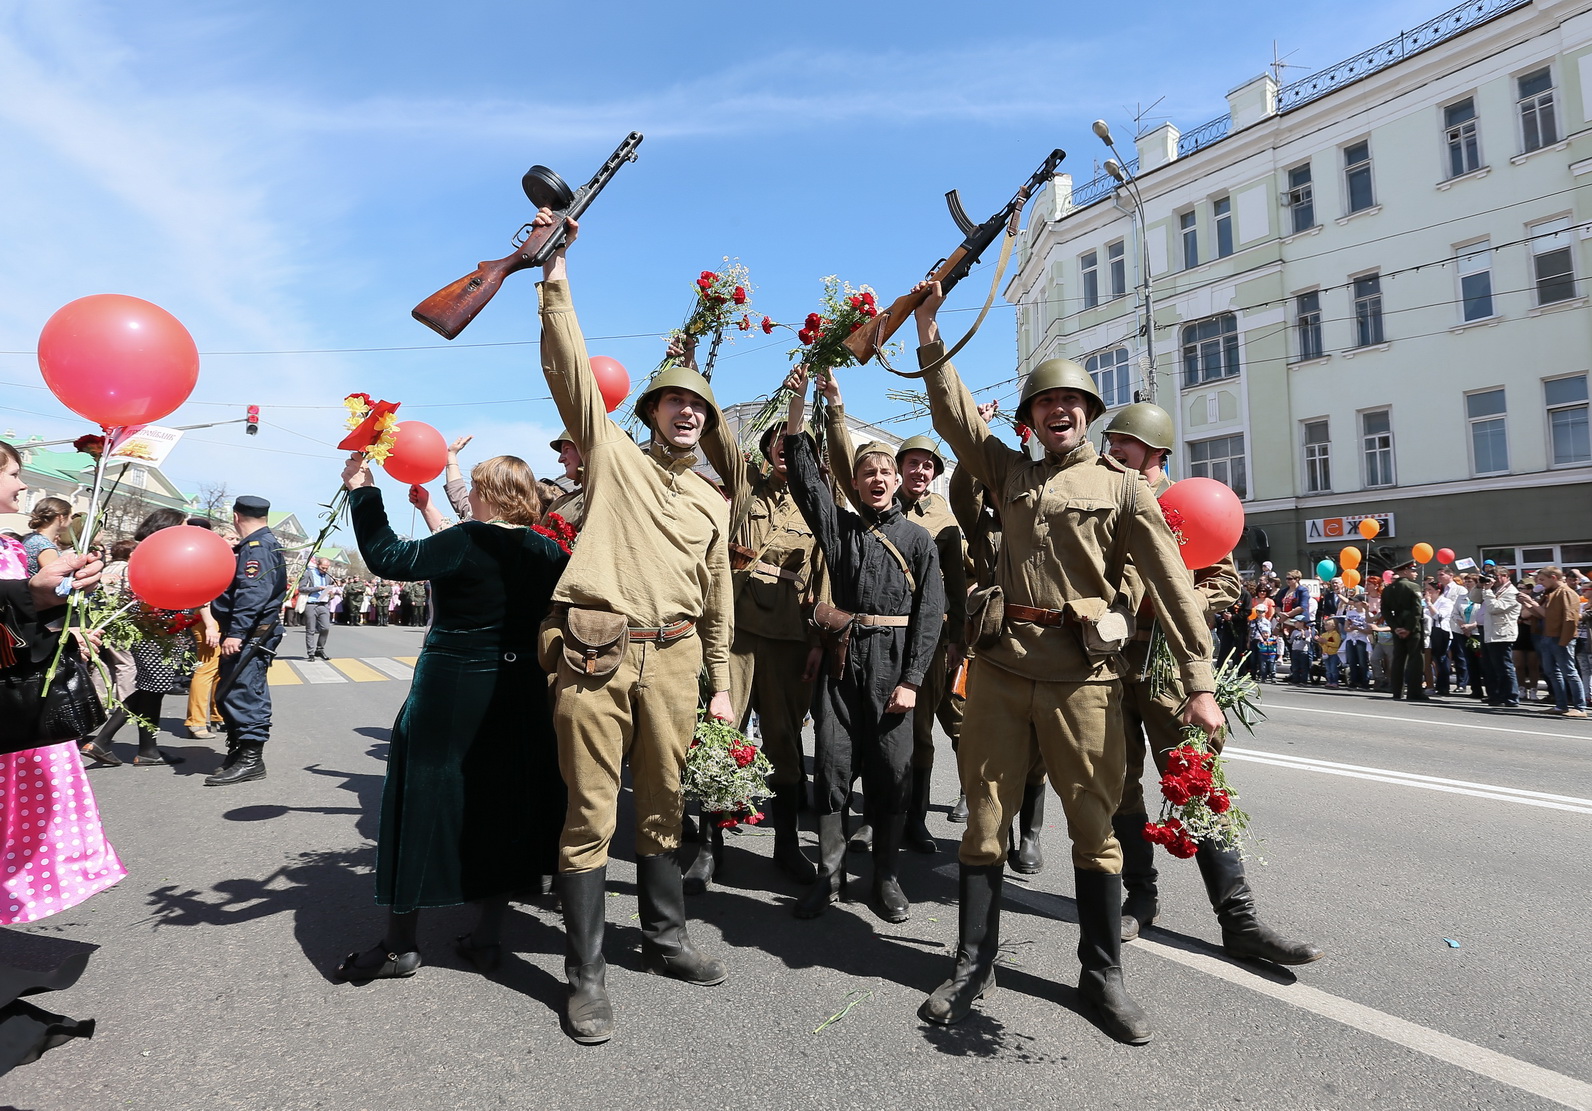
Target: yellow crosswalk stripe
<point>410,660</point>
<point>282,675</point>
<point>359,672</point>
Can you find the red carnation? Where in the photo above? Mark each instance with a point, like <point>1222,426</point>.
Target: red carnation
<point>814,321</point>
<point>856,325</point>
<point>1219,802</point>
<point>1198,781</point>
<point>739,296</point>
<point>805,336</point>
<point>1176,790</point>
<point>768,326</point>
<point>854,302</point>
<point>1183,847</point>
<point>867,297</point>
<point>728,823</point>
<point>744,324</point>
<point>755,817</point>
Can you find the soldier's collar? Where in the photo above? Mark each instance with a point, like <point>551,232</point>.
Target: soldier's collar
<point>671,459</point>
<point>1083,453</point>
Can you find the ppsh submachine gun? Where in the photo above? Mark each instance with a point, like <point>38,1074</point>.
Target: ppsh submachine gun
<point>450,310</point>
<point>865,342</point>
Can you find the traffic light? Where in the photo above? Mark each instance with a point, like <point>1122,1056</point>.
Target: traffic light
<point>253,418</point>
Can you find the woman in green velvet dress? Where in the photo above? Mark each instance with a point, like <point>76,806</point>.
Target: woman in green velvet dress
<point>473,804</point>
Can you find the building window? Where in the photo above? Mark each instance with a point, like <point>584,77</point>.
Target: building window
<point>1109,369</point>
<point>1567,420</point>
<point>1537,127</point>
<point>1551,268</point>
<point>1464,147</point>
<point>1117,263</point>
<point>1089,268</point>
<point>1475,281</point>
<point>1489,439</point>
<point>1376,429</point>
<point>1357,176</point>
<point>1318,461</point>
<point>1368,310</point>
<point>1191,240</point>
<point>1224,226</point>
<point>1210,349</point>
<point>1307,310</point>
<point>1222,459</point>
<point>1301,199</point>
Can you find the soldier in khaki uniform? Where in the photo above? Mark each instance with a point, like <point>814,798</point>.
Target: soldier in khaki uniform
<point>1040,684</point>
<point>1140,438</point>
<point>645,604</point>
<point>777,571</point>
<point>572,505</point>
<point>920,463</point>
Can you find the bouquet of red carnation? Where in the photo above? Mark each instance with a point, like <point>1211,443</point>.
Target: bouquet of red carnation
<point>559,530</point>
<point>1198,802</point>
<point>823,334</point>
<point>93,446</point>
<point>726,773</point>
<point>1174,521</point>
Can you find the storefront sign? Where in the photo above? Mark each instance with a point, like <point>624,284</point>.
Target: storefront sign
<point>1321,529</point>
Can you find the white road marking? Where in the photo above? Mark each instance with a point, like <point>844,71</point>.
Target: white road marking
<point>389,667</point>
<point>314,671</point>
<point>1478,1059</point>
<point>1423,721</point>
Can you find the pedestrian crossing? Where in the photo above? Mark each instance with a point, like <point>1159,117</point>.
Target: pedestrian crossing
<point>361,669</point>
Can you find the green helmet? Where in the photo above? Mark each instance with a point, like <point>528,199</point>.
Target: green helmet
<point>676,377</point>
<point>1059,374</point>
<point>1150,424</point>
<point>557,442</point>
<point>922,443</point>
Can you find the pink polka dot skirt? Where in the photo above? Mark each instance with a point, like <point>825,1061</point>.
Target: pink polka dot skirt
<point>55,854</point>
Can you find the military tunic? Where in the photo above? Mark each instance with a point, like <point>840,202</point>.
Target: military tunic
<point>354,602</point>
<point>571,507</point>
<point>249,610</point>
<point>1401,609</point>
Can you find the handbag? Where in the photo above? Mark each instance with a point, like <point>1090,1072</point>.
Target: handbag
<point>32,718</point>
<point>594,641</point>
<point>834,630</point>
<point>986,616</point>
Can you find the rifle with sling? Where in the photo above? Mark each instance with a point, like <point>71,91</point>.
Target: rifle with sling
<point>866,342</point>
<point>450,310</point>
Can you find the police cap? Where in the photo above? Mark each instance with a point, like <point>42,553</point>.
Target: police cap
<point>250,506</point>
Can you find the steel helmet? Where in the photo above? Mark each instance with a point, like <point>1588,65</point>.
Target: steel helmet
<point>1059,374</point>
<point>922,443</point>
<point>676,377</point>
<point>1148,423</point>
<point>557,442</point>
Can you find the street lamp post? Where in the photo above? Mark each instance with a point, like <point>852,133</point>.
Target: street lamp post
<point>1117,168</point>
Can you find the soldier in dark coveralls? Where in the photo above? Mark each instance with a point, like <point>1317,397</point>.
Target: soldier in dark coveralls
<point>884,573</point>
<point>248,613</point>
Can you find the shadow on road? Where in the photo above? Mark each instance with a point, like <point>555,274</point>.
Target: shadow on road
<point>984,1036</point>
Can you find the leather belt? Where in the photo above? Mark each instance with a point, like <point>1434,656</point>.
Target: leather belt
<point>1036,616</point>
<point>664,634</point>
<point>878,621</point>
<point>745,559</point>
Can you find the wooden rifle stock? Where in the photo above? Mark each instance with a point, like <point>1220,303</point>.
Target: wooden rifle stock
<point>450,310</point>
<point>866,341</point>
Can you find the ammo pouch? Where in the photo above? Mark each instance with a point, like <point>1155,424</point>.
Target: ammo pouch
<point>834,630</point>
<point>986,615</point>
<point>594,640</point>
<point>1106,630</point>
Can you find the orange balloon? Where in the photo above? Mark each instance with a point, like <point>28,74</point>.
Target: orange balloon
<point>1421,553</point>
<point>1351,577</point>
<point>1349,558</point>
<point>1370,527</point>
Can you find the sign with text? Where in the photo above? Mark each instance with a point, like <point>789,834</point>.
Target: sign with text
<point>149,444</point>
<point>1321,529</point>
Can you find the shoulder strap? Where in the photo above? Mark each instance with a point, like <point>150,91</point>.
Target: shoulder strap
<point>1128,510</point>
<point>901,560</point>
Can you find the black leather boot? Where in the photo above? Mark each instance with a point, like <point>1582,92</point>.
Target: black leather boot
<point>589,1017</point>
<point>918,837</point>
<point>1243,935</point>
<point>888,900</point>
<point>830,883</point>
<point>958,812</point>
<point>788,853</point>
<point>247,763</point>
<point>978,944</point>
<point>1026,857</point>
<point>666,948</point>
<point>708,857</point>
<point>862,837</point>
<point>1099,896</point>
<point>1142,905</point>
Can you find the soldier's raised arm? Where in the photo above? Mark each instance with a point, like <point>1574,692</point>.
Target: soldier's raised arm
<point>564,358</point>
<point>956,416</point>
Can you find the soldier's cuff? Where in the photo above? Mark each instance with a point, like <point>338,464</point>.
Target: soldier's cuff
<point>1198,678</point>
<point>931,351</point>
<point>553,296</point>
<point>719,677</point>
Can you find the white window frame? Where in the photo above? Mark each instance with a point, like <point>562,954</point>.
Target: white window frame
<point>1317,456</point>
<point>1470,260</point>
<point>1089,278</point>
<point>1473,423</point>
<point>1366,449</point>
<point>1240,462</point>
<point>1117,268</point>
<point>1456,134</point>
<point>1300,313</point>
<point>1230,351</point>
<point>1223,222</point>
<point>1350,169</point>
<point>1297,198</point>
<point>1188,237</point>
<point>1550,237</point>
<point>1533,107</point>
<point>1375,323</point>
<point>1585,404</point>
<point>1115,364</point>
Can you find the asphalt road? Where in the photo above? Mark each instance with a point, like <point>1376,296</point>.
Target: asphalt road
<point>212,982</point>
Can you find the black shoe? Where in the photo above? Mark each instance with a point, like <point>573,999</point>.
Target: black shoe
<point>246,763</point>
<point>958,813</point>
<point>861,838</point>
<point>918,837</point>
<point>830,882</point>
<point>978,944</point>
<point>589,1017</point>
<point>788,855</point>
<point>666,948</point>
<point>1026,857</point>
<point>1243,935</point>
<point>888,900</point>
<point>1142,905</point>
<point>1099,898</point>
<point>484,958</point>
<point>708,857</point>
<point>394,966</point>
<point>156,759</point>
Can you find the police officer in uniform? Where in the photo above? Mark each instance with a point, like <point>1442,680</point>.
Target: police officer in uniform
<point>1401,612</point>
<point>248,612</point>
<point>1140,438</point>
<point>1049,681</point>
<point>354,592</point>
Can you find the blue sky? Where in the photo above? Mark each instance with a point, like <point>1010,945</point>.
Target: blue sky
<point>294,177</point>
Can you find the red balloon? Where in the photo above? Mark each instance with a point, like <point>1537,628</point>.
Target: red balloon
<point>181,567</point>
<point>1213,519</point>
<point>612,380</point>
<point>418,453</point>
<point>1445,555</point>
<point>117,360</point>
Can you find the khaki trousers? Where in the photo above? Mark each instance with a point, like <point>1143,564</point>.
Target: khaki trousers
<point>766,676</point>
<point>202,687</point>
<point>1145,719</point>
<point>644,712</point>
<point>1075,728</point>
<point>930,695</point>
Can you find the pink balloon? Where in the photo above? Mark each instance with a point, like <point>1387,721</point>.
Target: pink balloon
<point>418,453</point>
<point>1387,577</point>
<point>612,379</point>
<point>117,360</point>
<point>181,567</point>
<point>1213,519</point>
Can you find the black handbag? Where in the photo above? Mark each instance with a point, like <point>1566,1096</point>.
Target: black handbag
<point>32,718</point>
